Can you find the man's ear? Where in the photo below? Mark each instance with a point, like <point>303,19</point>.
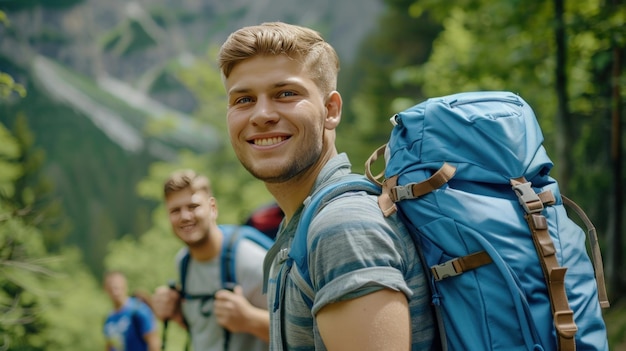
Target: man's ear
<point>333,110</point>
<point>213,205</point>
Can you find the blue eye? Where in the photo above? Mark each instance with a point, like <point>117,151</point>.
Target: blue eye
<point>287,94</point>
<point>243,100</point>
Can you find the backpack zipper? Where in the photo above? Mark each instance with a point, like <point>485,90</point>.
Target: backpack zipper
<point>395,119</point>
<point>457,102</point>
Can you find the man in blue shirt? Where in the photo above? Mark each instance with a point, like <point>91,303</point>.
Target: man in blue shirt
<point>131,325</point>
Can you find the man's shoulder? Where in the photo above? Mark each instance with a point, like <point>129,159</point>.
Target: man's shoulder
<point>351,204</point>
<point>182,252</point>
<point>356,209</point>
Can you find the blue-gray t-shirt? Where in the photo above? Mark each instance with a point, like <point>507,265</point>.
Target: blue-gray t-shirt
<point>352,251</point>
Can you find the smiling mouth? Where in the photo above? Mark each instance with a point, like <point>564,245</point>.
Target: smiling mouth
<point>188,227</point>
<point>269,141</point>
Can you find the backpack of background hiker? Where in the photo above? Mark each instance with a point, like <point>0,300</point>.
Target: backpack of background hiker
<point>470,178</point>
<point>266,219</point>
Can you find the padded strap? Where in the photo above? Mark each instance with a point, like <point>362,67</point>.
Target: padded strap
<point>596,256</point>
<point>228,258</point>
<point>554,273</point>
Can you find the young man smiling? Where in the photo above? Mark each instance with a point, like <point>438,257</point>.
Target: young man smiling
<point>369,290</point>
<point>217,319</point>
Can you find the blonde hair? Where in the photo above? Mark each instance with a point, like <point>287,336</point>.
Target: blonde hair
<point>277,38</point>
<point>184,179</point>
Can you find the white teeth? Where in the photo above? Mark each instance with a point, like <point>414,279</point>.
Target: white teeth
<point>268,141</point>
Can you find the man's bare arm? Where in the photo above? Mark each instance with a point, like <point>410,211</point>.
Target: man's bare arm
<point>377,321</point>
<point>153,341</point>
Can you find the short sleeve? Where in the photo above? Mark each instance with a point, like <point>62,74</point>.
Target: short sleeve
<point>147,321</point>
<point>353,251</point>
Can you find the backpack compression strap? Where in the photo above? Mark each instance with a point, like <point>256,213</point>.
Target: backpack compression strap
<point>392,193</point>
<point>554,273</point>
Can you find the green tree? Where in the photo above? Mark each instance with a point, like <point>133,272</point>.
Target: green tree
<point>375,86</point>
<point>8,86</point>
<point>44,211</point>
<point>38,291</point>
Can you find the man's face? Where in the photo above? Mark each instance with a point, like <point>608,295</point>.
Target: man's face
<point>276,117</point>
<point>190,214</point>
<point>116,287</point>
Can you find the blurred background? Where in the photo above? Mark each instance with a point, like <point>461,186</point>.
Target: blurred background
<point>100,100</point>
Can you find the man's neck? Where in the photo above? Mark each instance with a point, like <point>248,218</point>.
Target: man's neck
<point>210,248</point>
<point>291,194</point>
<point>119,304</point>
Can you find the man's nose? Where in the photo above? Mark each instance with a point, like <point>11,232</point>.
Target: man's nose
<point>264,112</point>
<point>186,213</point>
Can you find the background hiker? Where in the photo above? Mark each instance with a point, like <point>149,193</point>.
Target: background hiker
<point>131,325</point>
<point>368,288</point>
<point>215,317</point>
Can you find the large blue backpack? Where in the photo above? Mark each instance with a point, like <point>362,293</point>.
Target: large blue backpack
<point>509,269</point>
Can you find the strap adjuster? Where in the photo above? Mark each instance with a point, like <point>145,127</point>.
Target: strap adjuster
<point>445,270</point>
<point>564,323</point>
<point>402,192</point>
<point>527,197</point>
<point>282,255</point>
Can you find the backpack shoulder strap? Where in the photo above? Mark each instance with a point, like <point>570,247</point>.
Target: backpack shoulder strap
<point>298,250</point>
<point>227,264</point>
<point>232,236</point>
<point>184,265</point>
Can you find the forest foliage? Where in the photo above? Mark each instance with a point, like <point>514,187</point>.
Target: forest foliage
<point>51,299</point>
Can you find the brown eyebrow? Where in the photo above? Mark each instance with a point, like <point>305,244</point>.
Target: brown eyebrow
<point>276,85</point>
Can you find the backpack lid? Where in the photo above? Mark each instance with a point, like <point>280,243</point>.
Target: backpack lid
<point>489,136</point>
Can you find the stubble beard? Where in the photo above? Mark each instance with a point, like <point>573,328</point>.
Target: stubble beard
<point>283,173</point>
<point>200,242</point>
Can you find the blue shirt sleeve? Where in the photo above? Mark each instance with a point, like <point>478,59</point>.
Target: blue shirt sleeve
<point>146,319</point>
